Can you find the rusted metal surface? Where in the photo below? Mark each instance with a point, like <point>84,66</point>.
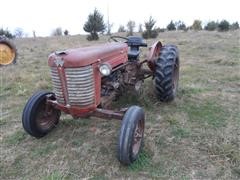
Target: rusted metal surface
<point>113,53</point>
<point>108,114</point>
<point>47,116</point>
<point>138,136</point>
<point>153,54</point>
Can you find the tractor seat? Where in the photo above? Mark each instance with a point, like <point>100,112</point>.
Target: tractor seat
<point>134,42</point>
<point>133,53</point>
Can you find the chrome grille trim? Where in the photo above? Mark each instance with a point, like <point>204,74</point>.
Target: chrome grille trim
<point>57,87</point>
<point>80,85</point>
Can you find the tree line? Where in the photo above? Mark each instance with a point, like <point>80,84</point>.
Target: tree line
<point>95,25</point>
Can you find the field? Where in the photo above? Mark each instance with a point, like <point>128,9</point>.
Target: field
<point>197,136</point>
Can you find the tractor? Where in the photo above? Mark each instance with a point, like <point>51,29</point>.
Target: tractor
<point>8,52</point>
<point>86,80</point>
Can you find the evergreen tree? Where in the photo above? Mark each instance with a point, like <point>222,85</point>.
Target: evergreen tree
<point>94,24</point>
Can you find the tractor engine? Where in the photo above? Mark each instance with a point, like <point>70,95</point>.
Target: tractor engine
<point>122,79</point>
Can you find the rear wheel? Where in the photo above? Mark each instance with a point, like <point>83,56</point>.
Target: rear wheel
<point>131,135</point>
<point>38,117</point>
<point>167,73</point>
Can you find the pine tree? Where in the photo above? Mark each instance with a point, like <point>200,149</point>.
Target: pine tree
<point>94,24</point>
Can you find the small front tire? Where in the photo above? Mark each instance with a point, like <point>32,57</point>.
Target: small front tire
<point>38,117</point>
<point>131,135</point>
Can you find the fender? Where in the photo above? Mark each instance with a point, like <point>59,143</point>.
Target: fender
<point>153,54</point>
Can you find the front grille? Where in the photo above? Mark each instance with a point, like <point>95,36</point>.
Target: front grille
<point>80,85</point>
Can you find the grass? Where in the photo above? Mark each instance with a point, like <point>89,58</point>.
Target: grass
<point>194,137</point>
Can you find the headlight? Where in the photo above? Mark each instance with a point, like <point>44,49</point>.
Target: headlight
<point>105,69</point>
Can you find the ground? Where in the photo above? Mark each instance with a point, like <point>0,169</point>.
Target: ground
<point>197,136</point>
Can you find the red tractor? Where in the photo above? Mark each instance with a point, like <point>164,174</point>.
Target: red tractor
<point>86,80</point>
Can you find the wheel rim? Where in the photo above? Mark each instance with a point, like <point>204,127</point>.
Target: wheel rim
<point>7,54</point>
<point>138,136</point>
<point>175,77</point>
<point>47,116</point>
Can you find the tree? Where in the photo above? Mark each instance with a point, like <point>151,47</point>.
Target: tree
<point>224,25</point>
<point>140,30</point>
<point>197,25</point>
<point>150,31</point>
<point>234,26</point>
<point>6,33</point>
<point>57,32</point>
<point>171,26</point>
<point>66,32</point>
<point>211,26</point>
<point>94,24</point>
<point>130,27</point>
<point>180,25</point>
<point>121,29</point>
<point>18,32</point>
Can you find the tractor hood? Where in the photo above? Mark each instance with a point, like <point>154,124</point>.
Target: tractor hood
<point>112,53</point>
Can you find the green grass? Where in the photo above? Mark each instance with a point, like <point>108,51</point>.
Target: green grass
<point>15,138</point>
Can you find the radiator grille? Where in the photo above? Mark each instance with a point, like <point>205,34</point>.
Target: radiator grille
<point>80,85</point>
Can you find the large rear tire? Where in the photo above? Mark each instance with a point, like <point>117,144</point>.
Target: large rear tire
<point>131,135</point>
<point>38,117</point>
<point>167,73</point>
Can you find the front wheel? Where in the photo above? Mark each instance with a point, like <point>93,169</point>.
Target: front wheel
<point>131,135</point>
<point>38,117</point>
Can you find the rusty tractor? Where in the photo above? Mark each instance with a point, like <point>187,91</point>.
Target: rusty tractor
<point>8,52</point>
<point>86,80</point>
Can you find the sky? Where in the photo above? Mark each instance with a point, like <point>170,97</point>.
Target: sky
<point>43,16</point>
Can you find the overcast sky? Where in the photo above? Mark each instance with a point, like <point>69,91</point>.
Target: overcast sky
<point>45,15</point>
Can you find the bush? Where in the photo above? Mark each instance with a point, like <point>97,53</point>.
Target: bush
<point>66,32</point>
<point>180,25</point>
<point>57,32</point>
<point>121,29</point>
<point>171,26</point>
<point>211,26</point>
<point>224,25</point>
<point>150,31</point>
<point>6,33</point>
<point>234,26</point>
<point>197,25</point>
<point>94,24</point>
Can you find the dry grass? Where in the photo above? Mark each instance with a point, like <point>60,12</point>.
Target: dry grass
<point>195,137</point>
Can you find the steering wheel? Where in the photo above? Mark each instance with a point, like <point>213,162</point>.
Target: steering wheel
<point>118,39</point>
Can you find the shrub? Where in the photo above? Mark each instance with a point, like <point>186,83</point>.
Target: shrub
<point>180,25</point>
<point>234,26</point>
<point>6,33</point>
<point>224,25</point>
<point>171,26</point>
<point>57,32</point>
<point>66,32</point>
<point>197,25</point>
<point>211,26</point>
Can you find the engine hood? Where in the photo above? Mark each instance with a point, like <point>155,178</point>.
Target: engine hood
<point>113,53</point>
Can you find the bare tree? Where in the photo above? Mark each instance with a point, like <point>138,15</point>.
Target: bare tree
<point>18,32</point>
<point>121,29</point>
<point>130,27</point>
